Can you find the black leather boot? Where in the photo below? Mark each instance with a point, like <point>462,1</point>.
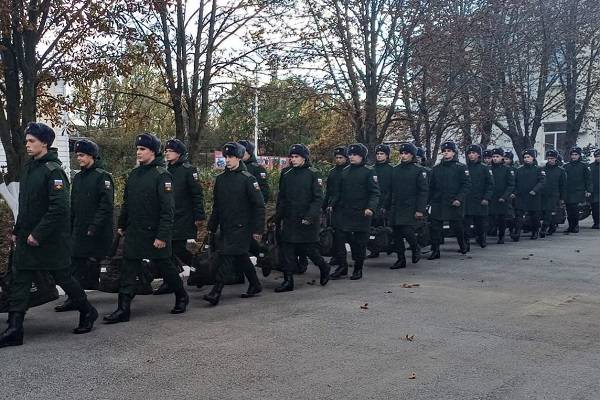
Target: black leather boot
<point>416,254</point>
<point>302,264</point>
<point>122,313</point>
<point>287,285</point>
<point>333,261</point>
<point>400,263</point>
<point>66,306</point>
<point>215,294</point>
<point>325,272</point>
<point>464,245</point>
<point>357,273</point>
<point>552,229</point>
<point>87,316</point>
<point>181,301</point>
<point>482,241</point>
<point>341,270</point>
<point>13,335</point>
<point>163,289</point>
<point>543,230</point>
<point>500,239</point>
<point>534,234</point>
<point>254,286</point>
<point>435,252</point>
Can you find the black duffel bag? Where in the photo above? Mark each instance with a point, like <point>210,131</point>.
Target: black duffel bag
<point>326,238</point>
<point>110,272</point>
<point>380,239</point>
<point>206,263</point>
<point>268,258</point>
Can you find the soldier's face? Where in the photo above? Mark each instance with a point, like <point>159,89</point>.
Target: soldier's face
<point>296,160</point>
<point>144,155</point>
<point>406,157</point>
<point>597,158</point>
<point>551,160</point>
<point>487,160</point>
<point>246,156</point>
<point>507,161</point>
<point>84,160</point>
<point>527,159</point>
<point>340,160</point>
<point>497,159</point>
<point>34,146</point>
<point>473,156</point>
<point>171,155</point>
<point>232,162</point>
<point>355,159</point>
<point>575,156</point>
<point>448,154</point>
<point>380,156</point>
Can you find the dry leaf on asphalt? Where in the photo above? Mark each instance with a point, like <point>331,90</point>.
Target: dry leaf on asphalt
<point>410,285</point>
<point>412,376</point>
<point>410,338</point>
<point>365,306</point>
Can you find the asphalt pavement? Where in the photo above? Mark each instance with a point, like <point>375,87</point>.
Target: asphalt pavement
<point>514,321</point>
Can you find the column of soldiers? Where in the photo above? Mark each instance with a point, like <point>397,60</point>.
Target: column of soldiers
<point>66,231</point>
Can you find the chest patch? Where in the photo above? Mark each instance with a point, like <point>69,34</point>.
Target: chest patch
<point>256,185</point>
<point>466,172</point>
<point>544,173</point>
<point>375,179</point>
<point>424,174</point>
<point>263,175</point>
<point>195,176</point>
<point>512,172</point>
<point>107,184</point>
<point>168,187</point>
<point>58,184</point>
<point>320,181</point>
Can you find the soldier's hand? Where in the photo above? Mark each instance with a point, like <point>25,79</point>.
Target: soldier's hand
<point>484,202</point>
<point>306,221</point>
<point>329,209</point>
<point>368,213</point>
<point>501,200</point>
<point>587,194</point>
<point>120,232</point>
<point>32,241</point>
<point>512,196</point>
<point>159,244</point>
<point>419,215</point>
<point>257,237</point>
<point>532,193</point>
<point>91,231</point>
<point>456,203</point>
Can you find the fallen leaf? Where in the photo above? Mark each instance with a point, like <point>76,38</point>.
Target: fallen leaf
<point>365,306</point>
<point>389,291</point>
<point>525,258</point>
<point>531,255</point>
<point>578,251</point>
<point>410,338</point>
<point>412,376</point>
<point>313,282</point>
<point>410,285</point>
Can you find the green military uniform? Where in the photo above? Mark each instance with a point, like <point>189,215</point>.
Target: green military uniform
<point>384,171</point>
<point>594,167</point>
<point>260,173</point>
<point>504,186</point>
<point>553,193</point>
<point>476,212</point>
<point>579,183</point>
<point>333,185</point>
<point>529,179</point>
<point>299,204</point>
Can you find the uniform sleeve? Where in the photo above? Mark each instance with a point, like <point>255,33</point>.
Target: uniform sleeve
<point>422,192</point>
<point>166,206</point>
<point>106,200</point>
<point>489,185</point>
<point>373,191</point>
<point>263,183</point>
<point>587,178</point>
<point>510,184</point>
<point>432,186</point>
<point>385,190</point>
<point>213,221</point>
<point>388,202</point>
<point>541,180</point>
<point>280,198</point>
<point>336,188</point>
<point>327,197</point>
<point>58,206</point>
<point>562,185</point>
<point>123,216</point>
<point>314,209</point>
<point>195,186</point>
<point>465,185</point>
<point>257,219</point>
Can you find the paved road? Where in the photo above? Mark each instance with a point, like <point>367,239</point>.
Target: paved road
<point>519,321</point>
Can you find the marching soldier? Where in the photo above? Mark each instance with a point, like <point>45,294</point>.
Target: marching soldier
<point>239,213</point>
<point>579,188</point>
<point>596,190</point>
<point>509,158</point>
<point>257,170</point>
<point>553,193</point>
<point>449,185</point>
<point>333,185</point>
<point>383,170</point>
<point>407,202</point>
<point>189,205</point>
<point>482,188</point>
<point>146,223</point>
<point>504,186</point>
<point>487,157</point>
<point>529,183</point>
<point>42,235</point>
<point>298,211</point>
<point>92,205</point>
<point>356,201</point>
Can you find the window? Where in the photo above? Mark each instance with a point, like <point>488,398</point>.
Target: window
<point>555,135</point>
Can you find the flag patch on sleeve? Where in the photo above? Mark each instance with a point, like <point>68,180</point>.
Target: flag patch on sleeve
<point>263,175</point>
<point>58,184</point>
<point>107,184</point>
<point>256,185</point>
<point>168,187</point>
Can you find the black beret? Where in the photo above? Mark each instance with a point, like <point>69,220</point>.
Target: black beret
<point>41,132</point>
<point>233,149</point>
<point>509,154</point>
<point>576,149</point>
<point>383,148</point>
<point>176,145</point>
<point>597,153</point>
<point>358,149</point>
<point>408,148</point>
<point>421,152</point>
<point>475,148</point>
<point>87,147</point>
<point>450,146</point>
<point>552,153</point>
<point>248,145</point>
<point>340,151</point>
<point>530,152</point>
<point>497,152</point>
<point>487,153</point>
<point>149,141</point>
<point>300,150</point>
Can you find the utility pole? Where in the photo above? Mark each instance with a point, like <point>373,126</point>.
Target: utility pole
<point>256,110</point>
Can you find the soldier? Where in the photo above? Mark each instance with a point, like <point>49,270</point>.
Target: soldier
<point>257,170</point>
<point>299,204</point>
<point>482,189</point>
<point>239,213</point>
<point>189,205</point>
<point>511,220</point>
<point>383,170</point>
<point>356,200</point>
<point>553,193</point>
<point>504,186</point>
<point>596,190</point>
<point>407,202</point>
<point>487,157</point>
<point>146,223</point>
<point>529,183</point>
<point>42,235</point>
<point>579,188</point>
<point>449,185</point>
<point>333,183</point>
<point>92,204</point>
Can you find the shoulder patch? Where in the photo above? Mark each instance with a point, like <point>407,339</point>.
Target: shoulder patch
<point>168,187</point>
<point>543,173</point>
<point>256,186</point>
<point>512,172</point>
<point>58,184</point>
<point>375,179</point>
<point>195,176</point>
<point>263,175</point>
<point>107,184</point>
<point>424,174</point>
<point>320,181</point>
<point>490,171</point>
<point>467,172</point>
